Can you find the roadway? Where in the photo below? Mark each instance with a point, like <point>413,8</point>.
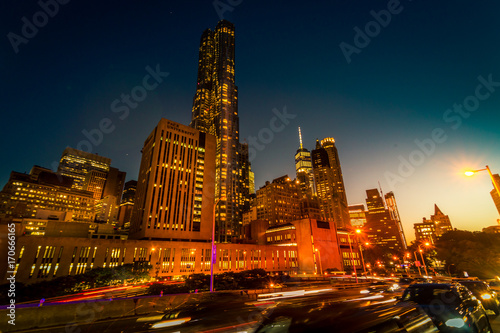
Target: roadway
<point>229,313</point>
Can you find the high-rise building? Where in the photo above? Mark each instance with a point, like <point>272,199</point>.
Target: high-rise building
<point>43,191</point>
<point>381,228</point>
<point>278,202</point>
<point>127,204</point>
<point>390,201</point>
<point>215,111</point>
<point>77,164</point>
<point>330,182</point>
<point>494,193</point>
<point>304,169</point>
<point>431,230</point>
<point>175,190</point>
<point>129,191</point>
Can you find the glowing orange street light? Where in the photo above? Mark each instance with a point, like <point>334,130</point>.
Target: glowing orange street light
<point>472,172</point>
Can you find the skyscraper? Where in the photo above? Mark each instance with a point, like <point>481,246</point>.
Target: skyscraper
<point>330,182</point>
<point>304,169</point>
<point>215,111</point>
<point>390,200</point>
<point>381,228</point>
<point>175,196</point>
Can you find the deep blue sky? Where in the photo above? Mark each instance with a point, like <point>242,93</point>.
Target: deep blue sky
<point>395,90</point>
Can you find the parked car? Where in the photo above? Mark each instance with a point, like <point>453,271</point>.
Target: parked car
<point>451,306</point>
<point>484,293</point>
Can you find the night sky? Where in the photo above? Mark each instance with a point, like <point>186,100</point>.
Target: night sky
<point>385,90</point>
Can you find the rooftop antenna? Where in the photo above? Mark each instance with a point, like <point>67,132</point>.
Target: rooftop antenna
<point>300,138</point>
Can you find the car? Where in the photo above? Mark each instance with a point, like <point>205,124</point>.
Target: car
<point>351,316</point>
<point>484,293</point>
<point>451,306</point>
<point>494,285</point>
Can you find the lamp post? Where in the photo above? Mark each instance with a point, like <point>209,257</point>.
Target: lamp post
<point>422,256</point>
<point>352,257</point>
<point>358,231</point>
<point>213,252</point>
<point>416,259</point>
<point>472,172</point>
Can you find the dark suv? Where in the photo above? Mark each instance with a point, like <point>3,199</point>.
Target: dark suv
<point>451,306</point>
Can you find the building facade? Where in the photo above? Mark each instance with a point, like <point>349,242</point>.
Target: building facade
<point>304,169</point>
<point>432,229</point>
<point>279,201</point>
<point>215,112</point>
<point>77,164</point>
<point>330,183</point>
<point>381,228</point>
<point>42,190</point>
<point>175,190</point>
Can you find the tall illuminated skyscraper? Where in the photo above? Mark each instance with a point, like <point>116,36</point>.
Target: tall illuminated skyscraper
<point>330,183</point>
<point>304,169</point>
<point>215,111</point>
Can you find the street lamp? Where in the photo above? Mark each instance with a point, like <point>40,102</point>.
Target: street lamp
<point>423,261</point>
<point>352,256</point>
<point>319,259</point>
<point>472,172</point>
<point>358,231</point>
<point>214,255</point>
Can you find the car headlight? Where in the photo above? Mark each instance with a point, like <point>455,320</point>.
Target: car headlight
<point>485,296</point>
<point>455,322</point>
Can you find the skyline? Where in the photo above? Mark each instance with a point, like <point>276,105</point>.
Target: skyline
<point>395,90</point>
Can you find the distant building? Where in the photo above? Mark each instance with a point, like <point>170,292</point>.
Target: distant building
<point>330,183</point>
<point>390,201</point>
<point>25,195</point>
<point>431,230</point>
<point>425,231</point>
<point>304,169</point>
<point>127,204</point>
<point>381,228</point>
<point>77,164</point>
<point>279,201</point>
<point>129,191</point>
<point>175,190</point>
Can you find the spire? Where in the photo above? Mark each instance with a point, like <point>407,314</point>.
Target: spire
<point>437,211</point>
<point>318,145</point>
<point>300,138</point>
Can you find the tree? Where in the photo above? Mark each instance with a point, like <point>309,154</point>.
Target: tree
<point>476,253</point>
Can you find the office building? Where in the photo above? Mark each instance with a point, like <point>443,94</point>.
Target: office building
<point>330,183</point>
<point>175,189</point>
<point>44,192</point>
<point>381,228</point>
<point>127,204</point>
<point>215,112</point>
<point>278,202</point>
<point>77,164</point>
<point>390,201</point>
